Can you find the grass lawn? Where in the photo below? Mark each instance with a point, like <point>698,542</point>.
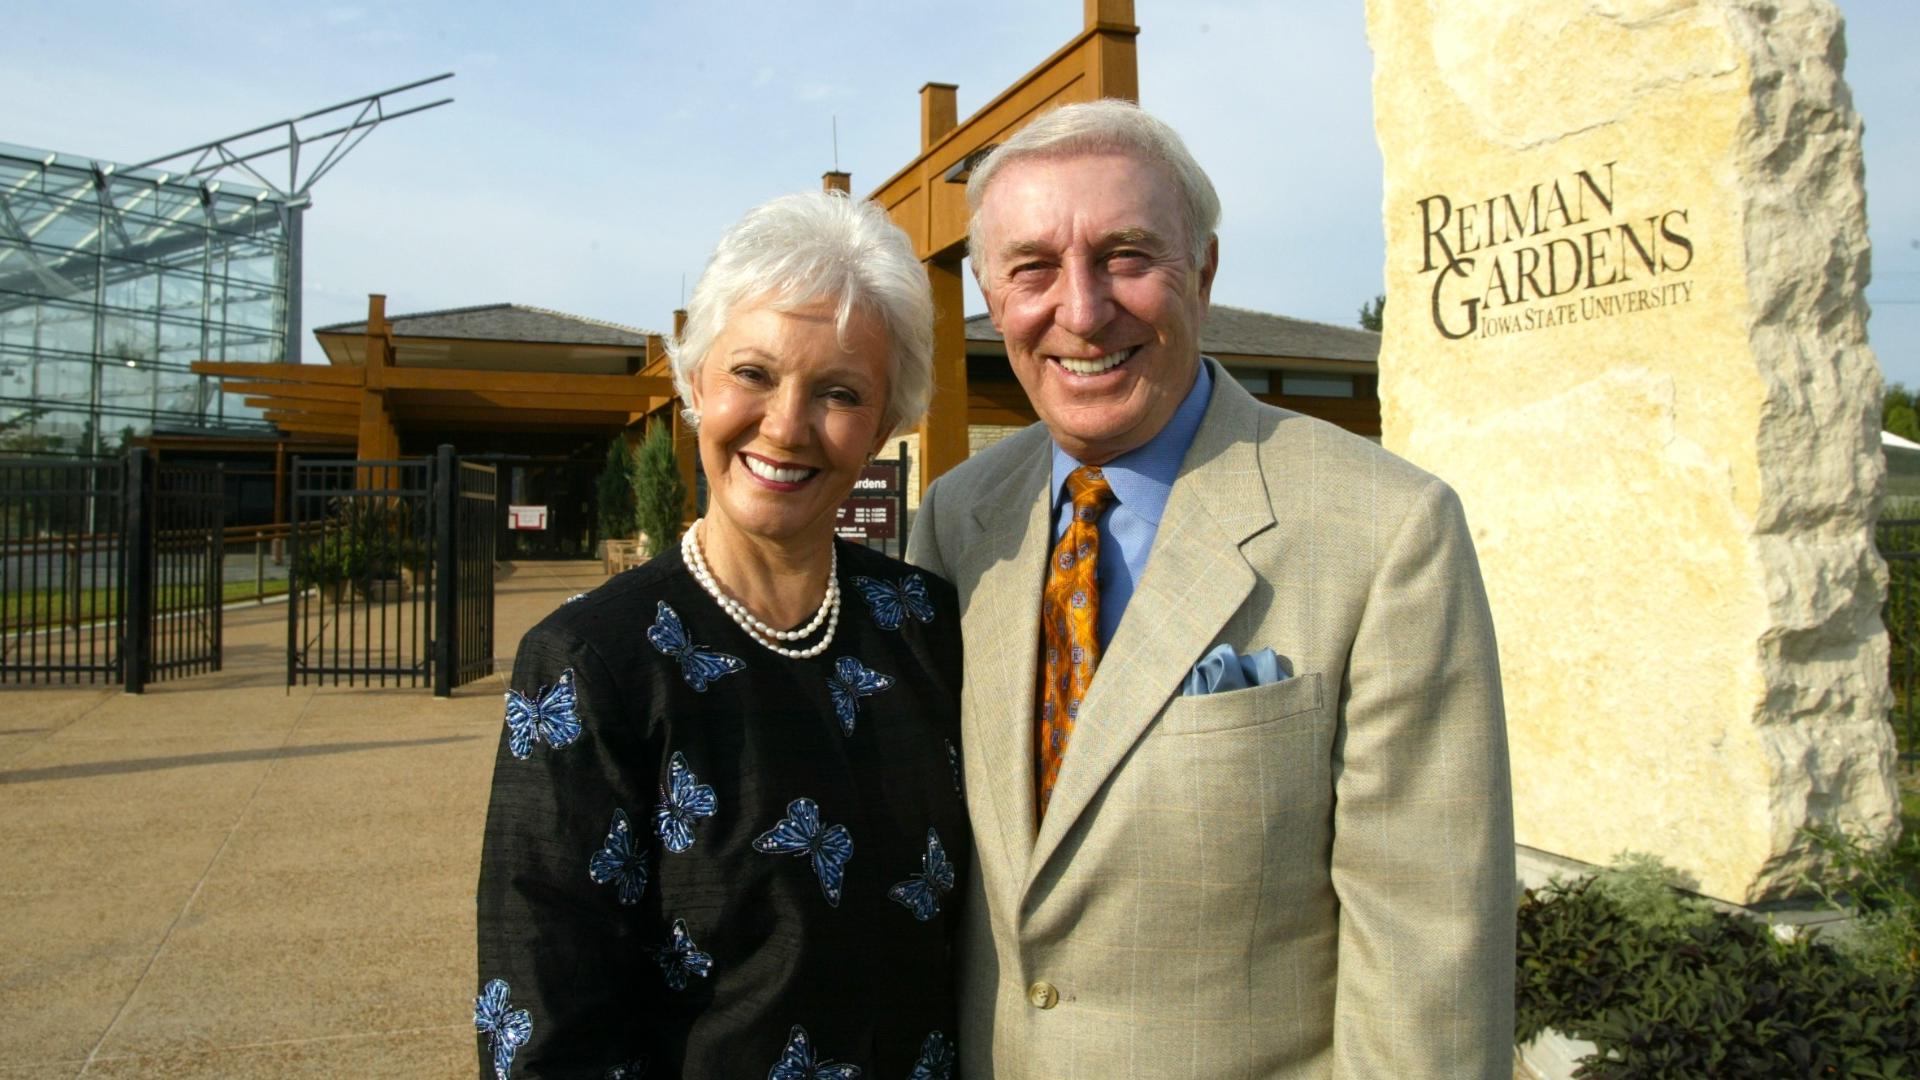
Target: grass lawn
<point>49,606</point>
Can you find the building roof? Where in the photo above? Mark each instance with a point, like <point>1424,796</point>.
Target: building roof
<point>1244,332</point>
<point>504,322</point>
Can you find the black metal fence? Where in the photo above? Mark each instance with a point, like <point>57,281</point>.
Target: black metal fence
<point>62,554</point>
<point>109,570</point>
<point>1899,542</point>
<point>392,579</point>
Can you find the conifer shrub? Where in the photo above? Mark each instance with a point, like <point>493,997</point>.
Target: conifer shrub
<point>658,494</point>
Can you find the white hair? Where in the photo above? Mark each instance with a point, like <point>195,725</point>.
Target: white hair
<point>1107,126</point>
<point>802,249</point>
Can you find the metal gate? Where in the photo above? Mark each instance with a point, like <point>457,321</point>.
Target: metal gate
<point>109,570</point>
<point>392,573</point>
<point>360,607</point>
<point>181,554</point>
<point>465,630</point>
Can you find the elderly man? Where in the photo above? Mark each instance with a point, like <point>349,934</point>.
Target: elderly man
<point>1234,748</point>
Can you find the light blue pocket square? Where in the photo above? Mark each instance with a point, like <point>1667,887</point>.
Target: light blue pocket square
<point>1224,669</point>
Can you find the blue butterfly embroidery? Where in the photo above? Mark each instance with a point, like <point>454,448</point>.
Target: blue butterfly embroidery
<point>628,1070</point>
<point>799,833</point>
<point>698,666</point>
<point>507,1030</point>
<point>893,601</point>
<point>549,716</point>
<point>851,680</point>
<point>797,1062</point>
<point>571,599</point>
<point>620,863</point>
<point>684,801</point>
<point>936,1059</point>
<point>921,892</point>
<point>681,958</point>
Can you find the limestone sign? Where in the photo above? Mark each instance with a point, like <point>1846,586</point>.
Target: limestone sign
<point>1559,252</point>
<point>1626,243</point>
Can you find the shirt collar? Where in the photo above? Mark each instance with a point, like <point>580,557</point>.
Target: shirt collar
<point>1142,478</point>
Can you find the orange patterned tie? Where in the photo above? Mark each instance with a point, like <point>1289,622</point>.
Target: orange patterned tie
<point>1069,625</point>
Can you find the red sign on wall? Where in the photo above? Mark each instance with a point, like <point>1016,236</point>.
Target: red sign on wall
<point>872,512</point>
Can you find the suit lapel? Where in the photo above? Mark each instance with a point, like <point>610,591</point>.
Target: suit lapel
<point>1196,579</point>
<point>1002,642</point>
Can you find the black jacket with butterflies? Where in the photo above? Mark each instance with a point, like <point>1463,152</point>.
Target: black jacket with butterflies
<point>703,859</point>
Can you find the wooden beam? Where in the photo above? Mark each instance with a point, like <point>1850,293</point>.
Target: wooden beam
<point>525,382</point>
<point>310,374</point>
<point>297,391</point>
<point>305,422</point>
<point>314,408</point>
<point>413,417</point>
<point>522,399</point>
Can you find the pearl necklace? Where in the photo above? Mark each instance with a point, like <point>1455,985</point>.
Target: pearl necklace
<point>767,636</point>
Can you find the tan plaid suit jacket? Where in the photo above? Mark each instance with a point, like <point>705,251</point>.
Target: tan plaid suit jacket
<point>1312,878</point>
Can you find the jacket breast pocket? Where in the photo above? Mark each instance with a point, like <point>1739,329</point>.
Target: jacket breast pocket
<point>1293,702</point>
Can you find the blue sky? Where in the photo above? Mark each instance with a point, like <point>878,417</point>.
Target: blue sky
<point>596,150</point>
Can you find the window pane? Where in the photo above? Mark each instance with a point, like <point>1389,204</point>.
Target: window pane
<point>1302,384</point>
<point>1256,382</point>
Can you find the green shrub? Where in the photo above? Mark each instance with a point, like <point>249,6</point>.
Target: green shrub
<point>658,494</point>
<point>1878,883</point>
<point>332,559</point>
<point>1665,987</point>
<point>613,491</point>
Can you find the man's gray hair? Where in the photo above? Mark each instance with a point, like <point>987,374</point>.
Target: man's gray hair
<point>800,249</point>
<point>1106,126</point>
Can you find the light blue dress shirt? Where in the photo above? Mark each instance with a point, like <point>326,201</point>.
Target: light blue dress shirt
<point>1141,479</point>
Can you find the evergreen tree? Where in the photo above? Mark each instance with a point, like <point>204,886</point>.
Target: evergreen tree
<point>658,494</point>
<point>1898,414</point>
<point>1372,312</point>
<point>614,491</point>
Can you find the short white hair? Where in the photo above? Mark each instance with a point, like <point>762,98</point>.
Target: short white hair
<point>1107,126</point>
<point>801,249</point>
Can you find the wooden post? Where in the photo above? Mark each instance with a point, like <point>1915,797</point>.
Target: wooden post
<point>939,112</point>
<point>943,434</point>
<point>377,438</point>
<point>841,182</point>
<point>1116,72</point>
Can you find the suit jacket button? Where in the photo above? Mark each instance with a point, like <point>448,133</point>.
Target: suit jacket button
<point>1042,995</point>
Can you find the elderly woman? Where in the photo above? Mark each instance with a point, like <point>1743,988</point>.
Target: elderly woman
<point>726,820</point>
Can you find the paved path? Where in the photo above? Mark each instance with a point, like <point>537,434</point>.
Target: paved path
<point>219,878</point>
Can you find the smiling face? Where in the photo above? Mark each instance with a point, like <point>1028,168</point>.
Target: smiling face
<point>787,418</point>
<point>1088,276</point>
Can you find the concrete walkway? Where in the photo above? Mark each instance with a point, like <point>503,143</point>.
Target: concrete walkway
<point>219,878</point>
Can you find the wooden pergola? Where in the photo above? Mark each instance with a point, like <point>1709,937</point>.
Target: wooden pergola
<point>363,405</point>
<point>928,197</point>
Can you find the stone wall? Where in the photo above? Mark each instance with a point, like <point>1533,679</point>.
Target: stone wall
<point>1626,244</point>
